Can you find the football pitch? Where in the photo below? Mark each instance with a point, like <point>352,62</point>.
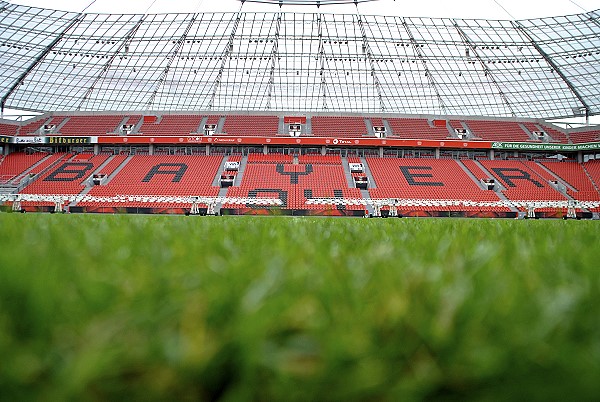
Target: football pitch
<point>121,307</point>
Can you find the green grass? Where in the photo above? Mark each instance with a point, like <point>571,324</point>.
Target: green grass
<point>297,309</point>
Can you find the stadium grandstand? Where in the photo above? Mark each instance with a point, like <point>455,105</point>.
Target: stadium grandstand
<point>299,113</point>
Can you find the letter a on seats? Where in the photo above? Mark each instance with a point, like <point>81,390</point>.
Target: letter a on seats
<point>158,169</point>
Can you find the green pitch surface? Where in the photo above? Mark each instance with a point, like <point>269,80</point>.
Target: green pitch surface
<point>298,309</point>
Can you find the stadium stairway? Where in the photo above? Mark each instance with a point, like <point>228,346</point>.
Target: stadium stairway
<point>499,186</point>
<point>38,169</point>
<point>529,133</point>
<point>240,174</point>
<point>347,172</point>
<point>470,174</point>
<point>203,122</point>
<point>369,124</point>
<point>118,169</point>
<point>365,195</point>
<point>219,205</point>
<point>217,180</point>
<point>89,183</point>
<point>60,125</point>
<point>590,177</point>
<point>557,178</point>
<point>370,176</point>
<point>117,129</point>
<point>32,167</point>
<point>308,126</point>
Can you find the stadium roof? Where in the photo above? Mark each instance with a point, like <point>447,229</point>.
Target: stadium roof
<point>306,62</point>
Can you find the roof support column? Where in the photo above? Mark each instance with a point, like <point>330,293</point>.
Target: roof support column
<point>369,55</point>
<point>274,55</point>
<point>323,85</point>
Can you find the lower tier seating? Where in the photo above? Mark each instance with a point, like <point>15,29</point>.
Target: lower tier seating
<point>176,175</point>
<point>294,184</point>
<point>15,164</point>
<point>410,178</point>
<point>67,177</point>
<point>523,180</point>
<point>312,176</point>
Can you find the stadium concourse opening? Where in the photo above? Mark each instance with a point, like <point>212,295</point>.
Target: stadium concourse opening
<point>299,113</point>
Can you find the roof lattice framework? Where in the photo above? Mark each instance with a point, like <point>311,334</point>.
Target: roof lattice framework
<point>306,62</point>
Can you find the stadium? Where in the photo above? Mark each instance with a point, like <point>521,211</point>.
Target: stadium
<point>299,113</point>
<point>141,121</point>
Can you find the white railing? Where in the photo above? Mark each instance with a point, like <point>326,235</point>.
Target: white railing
<point>398,202</point>
<point>148,199</point>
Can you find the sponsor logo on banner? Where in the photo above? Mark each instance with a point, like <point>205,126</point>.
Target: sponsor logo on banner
<point>29,140</point>
<point>5,140</point>
<point>546,147</point>
<point>69,140</point>
<point>194,139</point>
<point>221,140</point>
<point>341,142</point>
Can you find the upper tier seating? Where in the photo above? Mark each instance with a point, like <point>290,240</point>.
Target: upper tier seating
<point>323,126</point>
<point>417,129</point>
<point>585,136</point>
<point>172,125</point>
<point>320,159</point>
<point>243,125</point>
<point>557,136</point>
<point>33,127</point>
<point>8,129</point>
<point>497,130</point>
<point>442,179</point>
<point>270,158</point>
<point>335,126</point>
<point>91,125</point>
<point>377,121</point>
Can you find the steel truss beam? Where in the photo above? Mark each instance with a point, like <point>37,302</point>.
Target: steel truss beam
<point>39,59</point>
<point>552,64</point>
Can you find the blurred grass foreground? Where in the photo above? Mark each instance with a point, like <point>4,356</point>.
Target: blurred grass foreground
<point>298,309</point>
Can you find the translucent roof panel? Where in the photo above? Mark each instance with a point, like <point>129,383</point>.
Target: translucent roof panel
<point>305,62</point>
